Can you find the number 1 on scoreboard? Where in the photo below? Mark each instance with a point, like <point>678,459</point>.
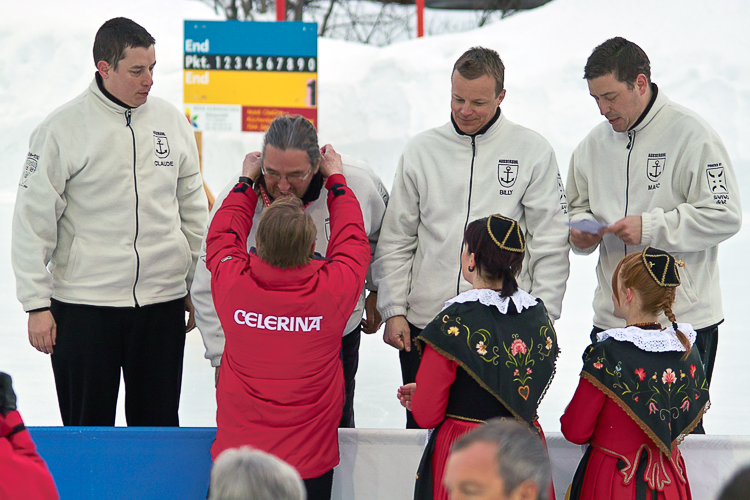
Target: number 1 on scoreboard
<point>311,92</point>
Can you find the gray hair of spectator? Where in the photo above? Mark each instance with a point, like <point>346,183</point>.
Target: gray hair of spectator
<point>738,488</point>
<point>479,61</point>
<point>621,58</point>
<point>249,474</point>
<point>520,453</point>
<point>115,36</point>
<point>294,132</point>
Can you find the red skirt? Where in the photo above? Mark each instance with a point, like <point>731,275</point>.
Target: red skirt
<point>605,474</point>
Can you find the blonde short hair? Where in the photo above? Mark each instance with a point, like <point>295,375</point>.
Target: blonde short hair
<point>286,234</point>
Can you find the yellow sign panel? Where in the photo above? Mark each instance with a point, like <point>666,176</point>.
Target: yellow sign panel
<point>268,88</point>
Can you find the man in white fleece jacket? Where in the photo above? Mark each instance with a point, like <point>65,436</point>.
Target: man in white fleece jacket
<point>654,174</point>
<point>106,232</point>
<point>478,164</point>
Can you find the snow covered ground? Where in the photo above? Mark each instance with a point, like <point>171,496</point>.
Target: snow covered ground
<point>371,101</point>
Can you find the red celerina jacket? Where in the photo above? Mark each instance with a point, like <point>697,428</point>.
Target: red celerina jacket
<point>23,473</point>
<point>281,385</point>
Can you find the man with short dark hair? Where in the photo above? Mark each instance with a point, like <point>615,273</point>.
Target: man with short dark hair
<point>290,166</point>
<point>478,164</point>
<point>106,232</point>
<point>655,174</point>
<point>281,384</point>
<point>500,460</point>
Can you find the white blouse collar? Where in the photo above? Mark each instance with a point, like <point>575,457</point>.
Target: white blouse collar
<point>488,297</point>
<point>651,340</point>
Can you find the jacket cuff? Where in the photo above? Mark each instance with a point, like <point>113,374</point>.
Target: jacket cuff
<point>393,311</point>
<point>36,305</point>
<point>335,179</point>
<point>645,228</point>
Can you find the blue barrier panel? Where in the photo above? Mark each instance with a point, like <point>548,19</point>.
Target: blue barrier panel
<point>122,463</point>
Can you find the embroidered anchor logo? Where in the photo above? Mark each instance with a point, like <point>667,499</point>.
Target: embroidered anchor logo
<point>160,150</point>
<point>161,144</point>
<point>507,173</point>
<point>655,167</point>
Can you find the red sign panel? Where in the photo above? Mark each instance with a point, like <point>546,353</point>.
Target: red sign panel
<point>258,119</point>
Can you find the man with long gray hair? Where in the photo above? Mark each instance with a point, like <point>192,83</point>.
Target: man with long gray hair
<point>282,309</point>
<point>290,166</point>
<point>248,474</point>
<point>497,461</point>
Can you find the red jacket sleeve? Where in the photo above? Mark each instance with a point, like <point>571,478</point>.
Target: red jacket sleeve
<point>226,242</point>
<point>23,473</point>
<point>434,379</point>
<point>349,246</point>
<point>579,420</point>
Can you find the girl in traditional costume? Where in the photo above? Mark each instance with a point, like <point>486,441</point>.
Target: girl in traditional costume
<point>642,389</point>
<point>489,353</point>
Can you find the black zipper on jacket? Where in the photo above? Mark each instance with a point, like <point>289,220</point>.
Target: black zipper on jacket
<point>128,114</point>
<point>629,147</point>
<point>468,210</point>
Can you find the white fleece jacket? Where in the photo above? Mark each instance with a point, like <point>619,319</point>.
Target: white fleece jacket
<point>111,201</point>
<point>444,181</point>
<point>372,197</point>
<point>673,170</point>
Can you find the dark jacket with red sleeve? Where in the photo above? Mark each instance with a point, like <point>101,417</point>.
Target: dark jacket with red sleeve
<point>281,386</point>
<point>23,473</point>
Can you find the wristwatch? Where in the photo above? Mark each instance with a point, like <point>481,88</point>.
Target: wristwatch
<point>247,180</point>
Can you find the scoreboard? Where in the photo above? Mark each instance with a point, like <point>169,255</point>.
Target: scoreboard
<point>239,75</point>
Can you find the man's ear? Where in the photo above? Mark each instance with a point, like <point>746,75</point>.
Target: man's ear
<point>103,68</point>
<point>641,83</point>
<point>500,96</point>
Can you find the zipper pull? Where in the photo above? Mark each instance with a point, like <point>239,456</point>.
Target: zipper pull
<point>473,147</point>
<point>630,139</point>
<point>128,112</point>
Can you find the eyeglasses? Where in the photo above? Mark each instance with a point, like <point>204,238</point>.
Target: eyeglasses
<point>291,178</point>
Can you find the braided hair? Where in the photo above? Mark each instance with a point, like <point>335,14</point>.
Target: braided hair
<point>654,298</point>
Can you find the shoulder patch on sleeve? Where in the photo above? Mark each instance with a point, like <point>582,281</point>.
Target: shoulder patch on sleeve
<point>228,257</point>
<point>29,168</point>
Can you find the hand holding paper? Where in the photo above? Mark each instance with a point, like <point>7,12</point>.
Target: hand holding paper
<point>587,226</point>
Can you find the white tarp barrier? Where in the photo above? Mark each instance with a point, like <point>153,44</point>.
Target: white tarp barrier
<point>381,464</point>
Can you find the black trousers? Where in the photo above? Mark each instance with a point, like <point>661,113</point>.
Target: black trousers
<point>319,488</point>
<point>409,367</point>
<point>94,343</point>
<point>350,360</point>
<point>706,341</point>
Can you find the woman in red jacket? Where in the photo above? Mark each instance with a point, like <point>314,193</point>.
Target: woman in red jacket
<point>281,386</point>
<point>23,473</point>
<point>489,353</point>
<point>642,389</point>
